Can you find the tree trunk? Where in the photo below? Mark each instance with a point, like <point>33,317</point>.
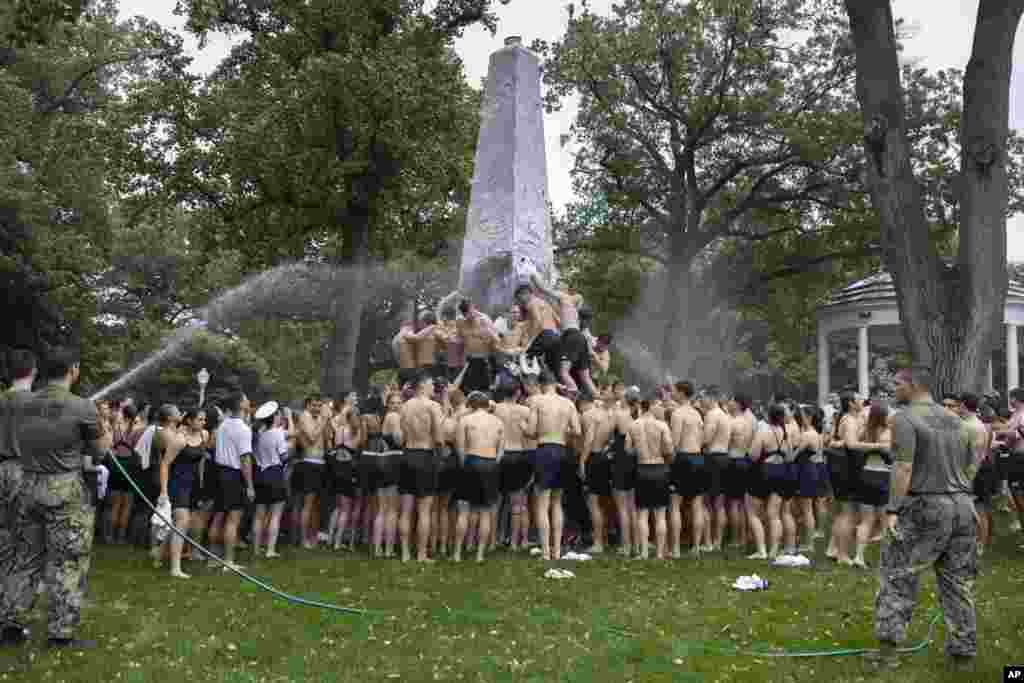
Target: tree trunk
<point>677,352</point>
<point>950,314</point>
<point>364,347</point>
<point>348,300</point>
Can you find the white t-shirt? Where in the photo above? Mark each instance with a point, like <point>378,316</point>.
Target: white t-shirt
<point>145,445</point>
<point>271,445</point>
<point>234,439</point>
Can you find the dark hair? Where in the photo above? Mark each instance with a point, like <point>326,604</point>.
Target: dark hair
<point>374,403</point>
<point>970,401</point>
<point>546,378</point>
<point>21,363</point>
<point>192,413</point>
<point>478,400</point>
<point>129,413</point>
<point>505,391</point>
<point>645,405</point>
<point>312,398</point>
<point>166,412</point>
<point>744,401</point>
<point>713,393</point>
<point>429,318</point>
<point>586,313</point>
<point>59,362</point>
<point>955,398</point>
<point>877,420</point>
<point>846,400</point>
<point>777,415</point>
<point>423,378</point>
<point>1017,394</point>
<point>212,420</point>
<point>464,306</point>
<point>235,401</point>
<point>520,289</point>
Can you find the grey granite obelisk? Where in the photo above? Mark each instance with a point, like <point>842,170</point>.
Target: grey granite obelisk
<point>508,229</point>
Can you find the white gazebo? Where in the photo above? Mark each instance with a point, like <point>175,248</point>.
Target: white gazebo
<point>871,304</point>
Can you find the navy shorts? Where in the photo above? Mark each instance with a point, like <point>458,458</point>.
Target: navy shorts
<point>270,486</point>
<point>548,463</point>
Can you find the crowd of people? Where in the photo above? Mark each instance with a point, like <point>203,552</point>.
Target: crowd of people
<point>506,440</point>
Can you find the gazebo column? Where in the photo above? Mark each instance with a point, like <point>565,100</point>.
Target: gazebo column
<point>1012,369</point>
<point>990,378</point>
<point>824,364</point>
<point>863,363</point>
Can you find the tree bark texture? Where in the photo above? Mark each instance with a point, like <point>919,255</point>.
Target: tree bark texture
<point>950,313</point>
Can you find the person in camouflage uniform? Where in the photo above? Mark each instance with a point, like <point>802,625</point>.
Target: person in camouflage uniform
<point>55,433</point>
<point>931,523</point>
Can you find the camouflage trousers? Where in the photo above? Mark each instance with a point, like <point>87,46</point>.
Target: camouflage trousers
<point>10,485</point>
<point>51,533</point>
<point>932,532</point>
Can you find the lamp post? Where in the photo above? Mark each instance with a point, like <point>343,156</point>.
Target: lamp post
<point>203,377</point>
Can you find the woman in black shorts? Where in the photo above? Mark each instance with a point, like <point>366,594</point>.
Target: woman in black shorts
<point>204,491</point>
<point>122,495</point>
<point>378,473</point>
<point>872,492</point>
<point>768,481</point>
<point>341,464</point>
<point>810,473</point>
<point>844,473</point>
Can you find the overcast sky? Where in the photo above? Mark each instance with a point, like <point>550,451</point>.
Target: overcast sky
<point>944,41</point>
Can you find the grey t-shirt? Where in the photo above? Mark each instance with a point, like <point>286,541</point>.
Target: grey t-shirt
<point>54,430</point>
<point>939,445</point>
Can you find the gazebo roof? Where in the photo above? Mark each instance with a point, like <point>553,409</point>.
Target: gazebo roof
<point>878,289</point>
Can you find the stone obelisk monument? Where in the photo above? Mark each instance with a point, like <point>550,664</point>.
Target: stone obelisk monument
<point>508,229</point>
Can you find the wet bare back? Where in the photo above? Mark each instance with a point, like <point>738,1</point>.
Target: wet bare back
<point>717,430</point>
<point>427,343</point>
<point>687,429</point>
<point>597,426</point>
<point>516,419</point>
<point>555,418</point>
<point>652,440</point>
<point>478,336</point>
<point>741,437</point>
<point>480,434</point>
<point>421,424</point>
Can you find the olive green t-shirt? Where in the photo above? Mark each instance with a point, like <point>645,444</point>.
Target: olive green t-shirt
<point>8,442</point>
<point>54,429</point>
<point>939,445</point>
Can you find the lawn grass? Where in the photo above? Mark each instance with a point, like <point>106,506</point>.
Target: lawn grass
<point>501,621</point>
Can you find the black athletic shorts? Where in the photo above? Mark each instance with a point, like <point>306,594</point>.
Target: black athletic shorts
<point>231,490</point>
<point>418,473</point>
<point>873,488</point>
<point>575,350</point>
<point>736,477</point>
<point>341,472</point>
<point>547,346</point>
<point>986,482</point>
<point>448,473</point>
<point>839,473</point>
<point>478,375</point>
<point>599,473</point>
<point>377,471</point>
<point>623,470</point>
<point>716,465</point>
<point>689,474</point>
<point>652,487</point>
<point>309,477</point>
<point>270,486</point>
<point>480,482</point>
<point>516,471</point>
<point>407,375</point>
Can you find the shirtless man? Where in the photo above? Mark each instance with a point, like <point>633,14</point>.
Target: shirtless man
<point>480,340</point>
<point>454,357</point>
<point>623,465</point>
<point>574,356</point>
<point>479,441</point>
<point>717,434</point>
<point>421,421</point>
<point>308,477</point>
<point>652,441</point>
<point>741,436</point>
<point>515,466</point>
<point>554,420</point>
<point>405,352</point>
<point>541,328</point>
<point>596,468</point>
<point>428,343</point>
<point>687,473</point>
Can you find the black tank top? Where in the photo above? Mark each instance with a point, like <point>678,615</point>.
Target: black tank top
<point>190,455</point>
<point>765,457</point>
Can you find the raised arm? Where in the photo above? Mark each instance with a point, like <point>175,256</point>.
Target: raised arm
<point>447,303</point>
<point>545,291</point>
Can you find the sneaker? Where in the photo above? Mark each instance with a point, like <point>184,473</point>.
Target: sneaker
<point>71,644</point>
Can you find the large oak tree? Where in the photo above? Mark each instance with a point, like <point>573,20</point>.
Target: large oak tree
<point>951,309</point>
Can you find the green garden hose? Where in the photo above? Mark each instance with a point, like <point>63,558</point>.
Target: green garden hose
<point>294,599</point>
